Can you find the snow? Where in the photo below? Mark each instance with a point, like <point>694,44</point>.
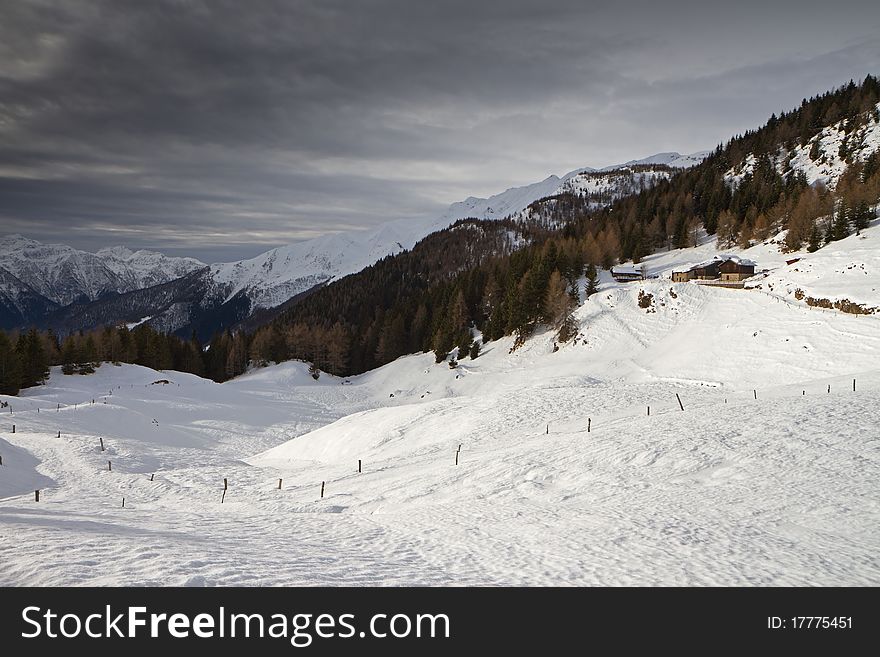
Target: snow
<point>778,490</point>
<point>64,274</point>
<point>671,159</point>
<point>829,165</point>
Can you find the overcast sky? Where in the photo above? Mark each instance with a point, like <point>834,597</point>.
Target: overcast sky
<point>220,129</point>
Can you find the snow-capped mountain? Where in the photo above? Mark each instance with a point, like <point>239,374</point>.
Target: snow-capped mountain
<point>670,159</point>
<point>275,276</point>
<point>140,269</point>
<point>64,275</point>
<point>19,302</point>
<point>183,294</point>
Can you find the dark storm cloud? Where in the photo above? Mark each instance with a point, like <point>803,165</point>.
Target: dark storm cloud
<point>221,128</point>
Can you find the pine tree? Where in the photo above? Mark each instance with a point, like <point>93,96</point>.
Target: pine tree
<point>592,281</point>
<point>69,355</point>
<point>10,367</point>
<point>815,239</point>
<point>33,363</point>
<point>861,216</point>
<point>839,228</point>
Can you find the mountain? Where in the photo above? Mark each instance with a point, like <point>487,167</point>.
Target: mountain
<point>273,277</point>
<point>65,275</point>
<point>19,302</point>
<point>182,294</point>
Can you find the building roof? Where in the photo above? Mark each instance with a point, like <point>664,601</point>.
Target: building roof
<point>721,259</point>
<point>627,269</point>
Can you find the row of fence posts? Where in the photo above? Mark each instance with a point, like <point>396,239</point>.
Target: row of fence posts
<point>360,462</point>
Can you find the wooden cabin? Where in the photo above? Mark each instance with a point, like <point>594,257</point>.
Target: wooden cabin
<point>627,273</point>
<point>736,269</point>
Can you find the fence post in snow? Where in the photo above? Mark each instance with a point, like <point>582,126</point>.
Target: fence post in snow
<point>548,430</point>
<point>456,458</point>
<point>36,496</point>
<point>322,490</point>
<point>589,421</point>
<point>829,388</point>
<point>225,486</point>
<point>854,385</point>
<point>359,466</point>
<point>123,502</point>
<point>13,428</point>
<point>649,411</point>
<point>102,443</point>
<point>1,460</point>
<point>152,475</point>
<point>679,401</point>
<point>279,484</point>
<point>109,466</point>
<point>756,393</point>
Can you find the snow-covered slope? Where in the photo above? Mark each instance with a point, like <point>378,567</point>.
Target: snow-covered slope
<point>670,159</point>
<point>64,274</point>
<point>534,467</point>
<point>826,156</point>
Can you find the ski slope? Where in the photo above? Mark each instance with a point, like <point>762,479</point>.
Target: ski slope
<point>733,490</point>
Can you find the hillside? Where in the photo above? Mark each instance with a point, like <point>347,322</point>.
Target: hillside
<point>563,476</point>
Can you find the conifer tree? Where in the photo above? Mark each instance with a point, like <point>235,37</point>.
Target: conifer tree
<point>10,368</point>
<point>592,281</point>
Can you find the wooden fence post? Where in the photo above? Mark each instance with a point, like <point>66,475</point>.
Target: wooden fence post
<point>359,465</point>
<point>123,502</point>
<point>109,466</point>
<point>548,430</point>
<point>13,428</point>
<point>322,490</point>
<point>279,484</point>
<point>59,434</point>
<point>589,422</point>
<point>152,475</point>
<point>225,486</point>
<point>1,460</point>
<point>456,457</point>
<point>756,393</point>
<point>854,385</point>
<point>679,401</point>
<point>102,442</point>
<point>649,411</point>
<point>829,388</point>
<point>36,496</point>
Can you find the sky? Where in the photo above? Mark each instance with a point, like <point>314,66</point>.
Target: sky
<point>221,129</point>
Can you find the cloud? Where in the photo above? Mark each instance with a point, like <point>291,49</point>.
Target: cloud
<point>252,124</point>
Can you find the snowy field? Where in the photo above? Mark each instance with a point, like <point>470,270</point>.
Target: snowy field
<point>563,478</point>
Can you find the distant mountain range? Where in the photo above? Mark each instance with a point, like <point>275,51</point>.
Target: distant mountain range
<point>57,286</point>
